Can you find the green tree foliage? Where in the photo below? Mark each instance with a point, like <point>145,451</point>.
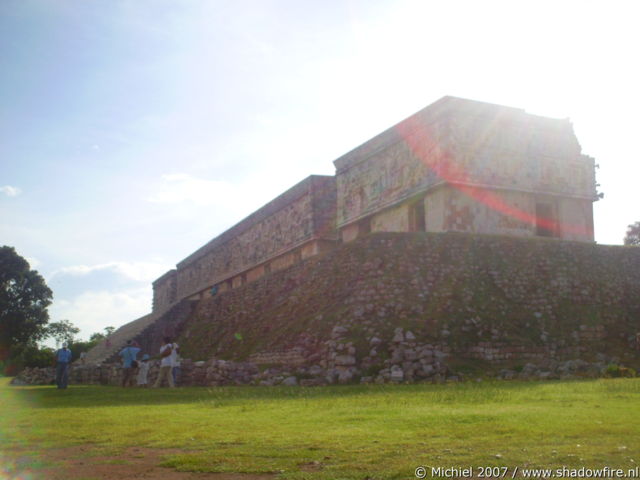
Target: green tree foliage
<point>24,298</point>
<point>62,332</point>
<point>79,346</point>
<point>29,355</point>
<point>633,235</point>
<point>96,337</point>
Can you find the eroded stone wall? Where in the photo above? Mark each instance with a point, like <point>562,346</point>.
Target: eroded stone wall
<point>508,148</point>
<point>165,290</point>
<point>495,298</point>
<point>413,307</point>
<point>502,159</point>
<point>463,213</point>
<point>290,226</point>
<point>299,223</point>
<point>387,177</point>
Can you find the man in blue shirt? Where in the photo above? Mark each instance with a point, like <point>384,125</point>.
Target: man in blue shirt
<point>129,368</point>
<point>63,358</point>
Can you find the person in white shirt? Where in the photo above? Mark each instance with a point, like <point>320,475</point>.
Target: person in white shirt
<point>175,370</point>
<point>166,363</point>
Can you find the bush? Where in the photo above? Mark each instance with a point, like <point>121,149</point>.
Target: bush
<point>616,371</point>
<point>78,347</point>
<point>27,356</point>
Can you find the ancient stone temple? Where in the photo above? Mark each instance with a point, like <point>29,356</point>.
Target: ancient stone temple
<point>457,165</point>
<point>461,165</point>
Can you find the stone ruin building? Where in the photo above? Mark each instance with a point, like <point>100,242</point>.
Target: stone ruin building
<point>301,283</point>
<point>457,165</point>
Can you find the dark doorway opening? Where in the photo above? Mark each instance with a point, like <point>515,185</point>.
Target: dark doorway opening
<point>545,220</point>
<point>416,217</point>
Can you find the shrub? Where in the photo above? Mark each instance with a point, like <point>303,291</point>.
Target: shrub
<point>27,356</point>
<point>616,371</point>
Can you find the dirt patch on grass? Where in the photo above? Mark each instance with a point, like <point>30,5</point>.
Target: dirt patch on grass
<point>89,463</point>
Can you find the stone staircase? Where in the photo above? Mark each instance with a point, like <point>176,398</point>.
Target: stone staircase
<point>118,339</point>
<point>169,323</point>
<point>148,331</point>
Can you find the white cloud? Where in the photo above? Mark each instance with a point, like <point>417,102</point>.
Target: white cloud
<point>182,187</point>
<point>92,311</point>
<point>138,271</point>
<point>93,297</point>
<point>10,191</point>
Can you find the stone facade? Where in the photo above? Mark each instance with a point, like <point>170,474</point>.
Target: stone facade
<point>495,298</point>
<point>467,166</point>
<point>398,307</point>
<point>296,225</point>
<point>458,165</point>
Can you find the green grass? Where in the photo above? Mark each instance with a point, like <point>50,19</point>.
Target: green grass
<point>350,432</point>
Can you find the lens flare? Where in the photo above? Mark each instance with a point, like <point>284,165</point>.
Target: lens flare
<point>423,143</point>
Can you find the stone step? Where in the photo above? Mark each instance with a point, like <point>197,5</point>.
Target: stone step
<point>118,339</point>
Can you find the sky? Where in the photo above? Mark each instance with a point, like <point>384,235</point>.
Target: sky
<point>133,132</point>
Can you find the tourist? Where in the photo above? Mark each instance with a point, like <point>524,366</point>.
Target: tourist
<point>129,363</point>
<point>63,358</point>
<point>175,363</point>
<point>143,371</point>
<point>166,364</point>
<point>83,358</point>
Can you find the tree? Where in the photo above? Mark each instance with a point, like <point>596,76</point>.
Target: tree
<point>79,346</point>
<point>633,235</point>
<point>62,332</point>
<point>24,298</point>
<point>28,356</point>
<point>96,337</point>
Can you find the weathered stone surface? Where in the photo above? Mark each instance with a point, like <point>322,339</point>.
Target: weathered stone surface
<point>290,381</point>
<point>345,360</point>
<point>510,298</point>
<point>303,213</point>
<point>346,375</point>
<point>338,331</point>
<point>398,336</point>
<point>35,376</point>
<point>397,375</point>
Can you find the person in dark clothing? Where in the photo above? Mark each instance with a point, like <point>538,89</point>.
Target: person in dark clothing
<point>63,359</point>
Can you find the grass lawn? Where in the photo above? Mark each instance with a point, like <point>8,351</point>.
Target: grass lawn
<point>350,432</point>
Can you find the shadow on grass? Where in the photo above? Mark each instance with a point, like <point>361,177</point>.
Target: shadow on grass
<point>88,396</point>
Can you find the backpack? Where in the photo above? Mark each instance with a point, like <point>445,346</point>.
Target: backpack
<point>166,352</point>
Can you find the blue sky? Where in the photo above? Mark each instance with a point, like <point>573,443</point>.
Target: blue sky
<point>132,132</point>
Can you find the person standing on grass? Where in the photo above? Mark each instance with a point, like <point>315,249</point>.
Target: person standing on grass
<point>166,364</point>
<point>143,371</point>
<point>129,363</point>
<point>175,363</point>
<point>63,358</point>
